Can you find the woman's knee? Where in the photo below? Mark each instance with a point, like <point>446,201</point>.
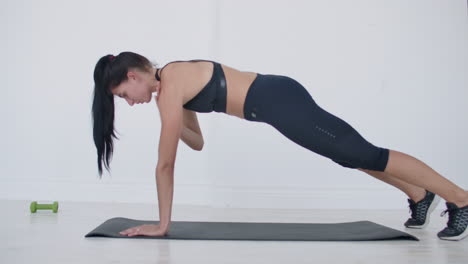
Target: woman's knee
<point>375,159</point>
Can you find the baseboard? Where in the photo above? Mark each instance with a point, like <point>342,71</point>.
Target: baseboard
<point>294,197</point>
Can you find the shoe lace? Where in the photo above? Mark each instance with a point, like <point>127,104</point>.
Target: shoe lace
<point>452,215</point>
<point>412,210</point>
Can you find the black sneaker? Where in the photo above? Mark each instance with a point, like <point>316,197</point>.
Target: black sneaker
<point>421,210</point>
<point>456,225</point>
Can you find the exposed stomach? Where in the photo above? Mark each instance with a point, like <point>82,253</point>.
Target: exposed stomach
<point>237,85</point>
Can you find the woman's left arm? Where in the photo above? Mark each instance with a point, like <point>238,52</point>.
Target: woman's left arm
<point>191,132</point>
<point>192,139</point>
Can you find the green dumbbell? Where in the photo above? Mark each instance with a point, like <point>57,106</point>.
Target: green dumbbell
<point>35,206</point>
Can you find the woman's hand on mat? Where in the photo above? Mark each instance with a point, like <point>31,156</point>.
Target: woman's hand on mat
<point>145,230</point>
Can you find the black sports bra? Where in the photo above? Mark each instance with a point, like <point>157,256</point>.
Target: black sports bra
<point>213,96</point>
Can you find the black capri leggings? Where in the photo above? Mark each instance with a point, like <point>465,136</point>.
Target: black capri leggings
<point>285,104</point>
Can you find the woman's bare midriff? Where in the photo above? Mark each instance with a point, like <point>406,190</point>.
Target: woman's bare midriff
<point>237,85</point>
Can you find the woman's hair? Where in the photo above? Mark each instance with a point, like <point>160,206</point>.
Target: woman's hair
<point>109,72</point>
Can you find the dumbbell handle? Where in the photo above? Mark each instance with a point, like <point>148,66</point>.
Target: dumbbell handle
<point>44,206</point>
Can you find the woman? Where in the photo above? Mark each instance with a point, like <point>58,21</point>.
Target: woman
<point>186,87</point>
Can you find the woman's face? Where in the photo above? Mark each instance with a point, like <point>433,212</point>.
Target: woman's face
<point>138,87</point>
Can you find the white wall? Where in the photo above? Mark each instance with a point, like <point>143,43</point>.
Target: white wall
<point>396,70</point>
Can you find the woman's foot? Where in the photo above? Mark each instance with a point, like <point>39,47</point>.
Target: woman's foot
<point>457,224</point>
<point>420,211</point>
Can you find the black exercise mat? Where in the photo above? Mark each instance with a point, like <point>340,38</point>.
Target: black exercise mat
<point>351,231</point>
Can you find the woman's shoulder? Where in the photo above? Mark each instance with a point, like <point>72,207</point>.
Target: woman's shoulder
<point>176,63</point>
<point>168,72</point>
<point>178,68</point>
<point>172,66</point>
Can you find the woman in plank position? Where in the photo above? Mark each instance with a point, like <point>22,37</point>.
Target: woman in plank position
<point>186,87</point>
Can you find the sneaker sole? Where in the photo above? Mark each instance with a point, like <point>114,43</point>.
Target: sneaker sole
<point>432,207</point>
<point>456,238</point>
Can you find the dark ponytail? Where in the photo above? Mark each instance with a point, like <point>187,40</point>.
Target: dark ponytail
<point>109,72</point>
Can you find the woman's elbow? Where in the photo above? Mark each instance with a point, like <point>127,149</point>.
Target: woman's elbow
<point>199,147</point>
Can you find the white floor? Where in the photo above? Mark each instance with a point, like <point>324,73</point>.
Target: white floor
<point>46,237</point>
